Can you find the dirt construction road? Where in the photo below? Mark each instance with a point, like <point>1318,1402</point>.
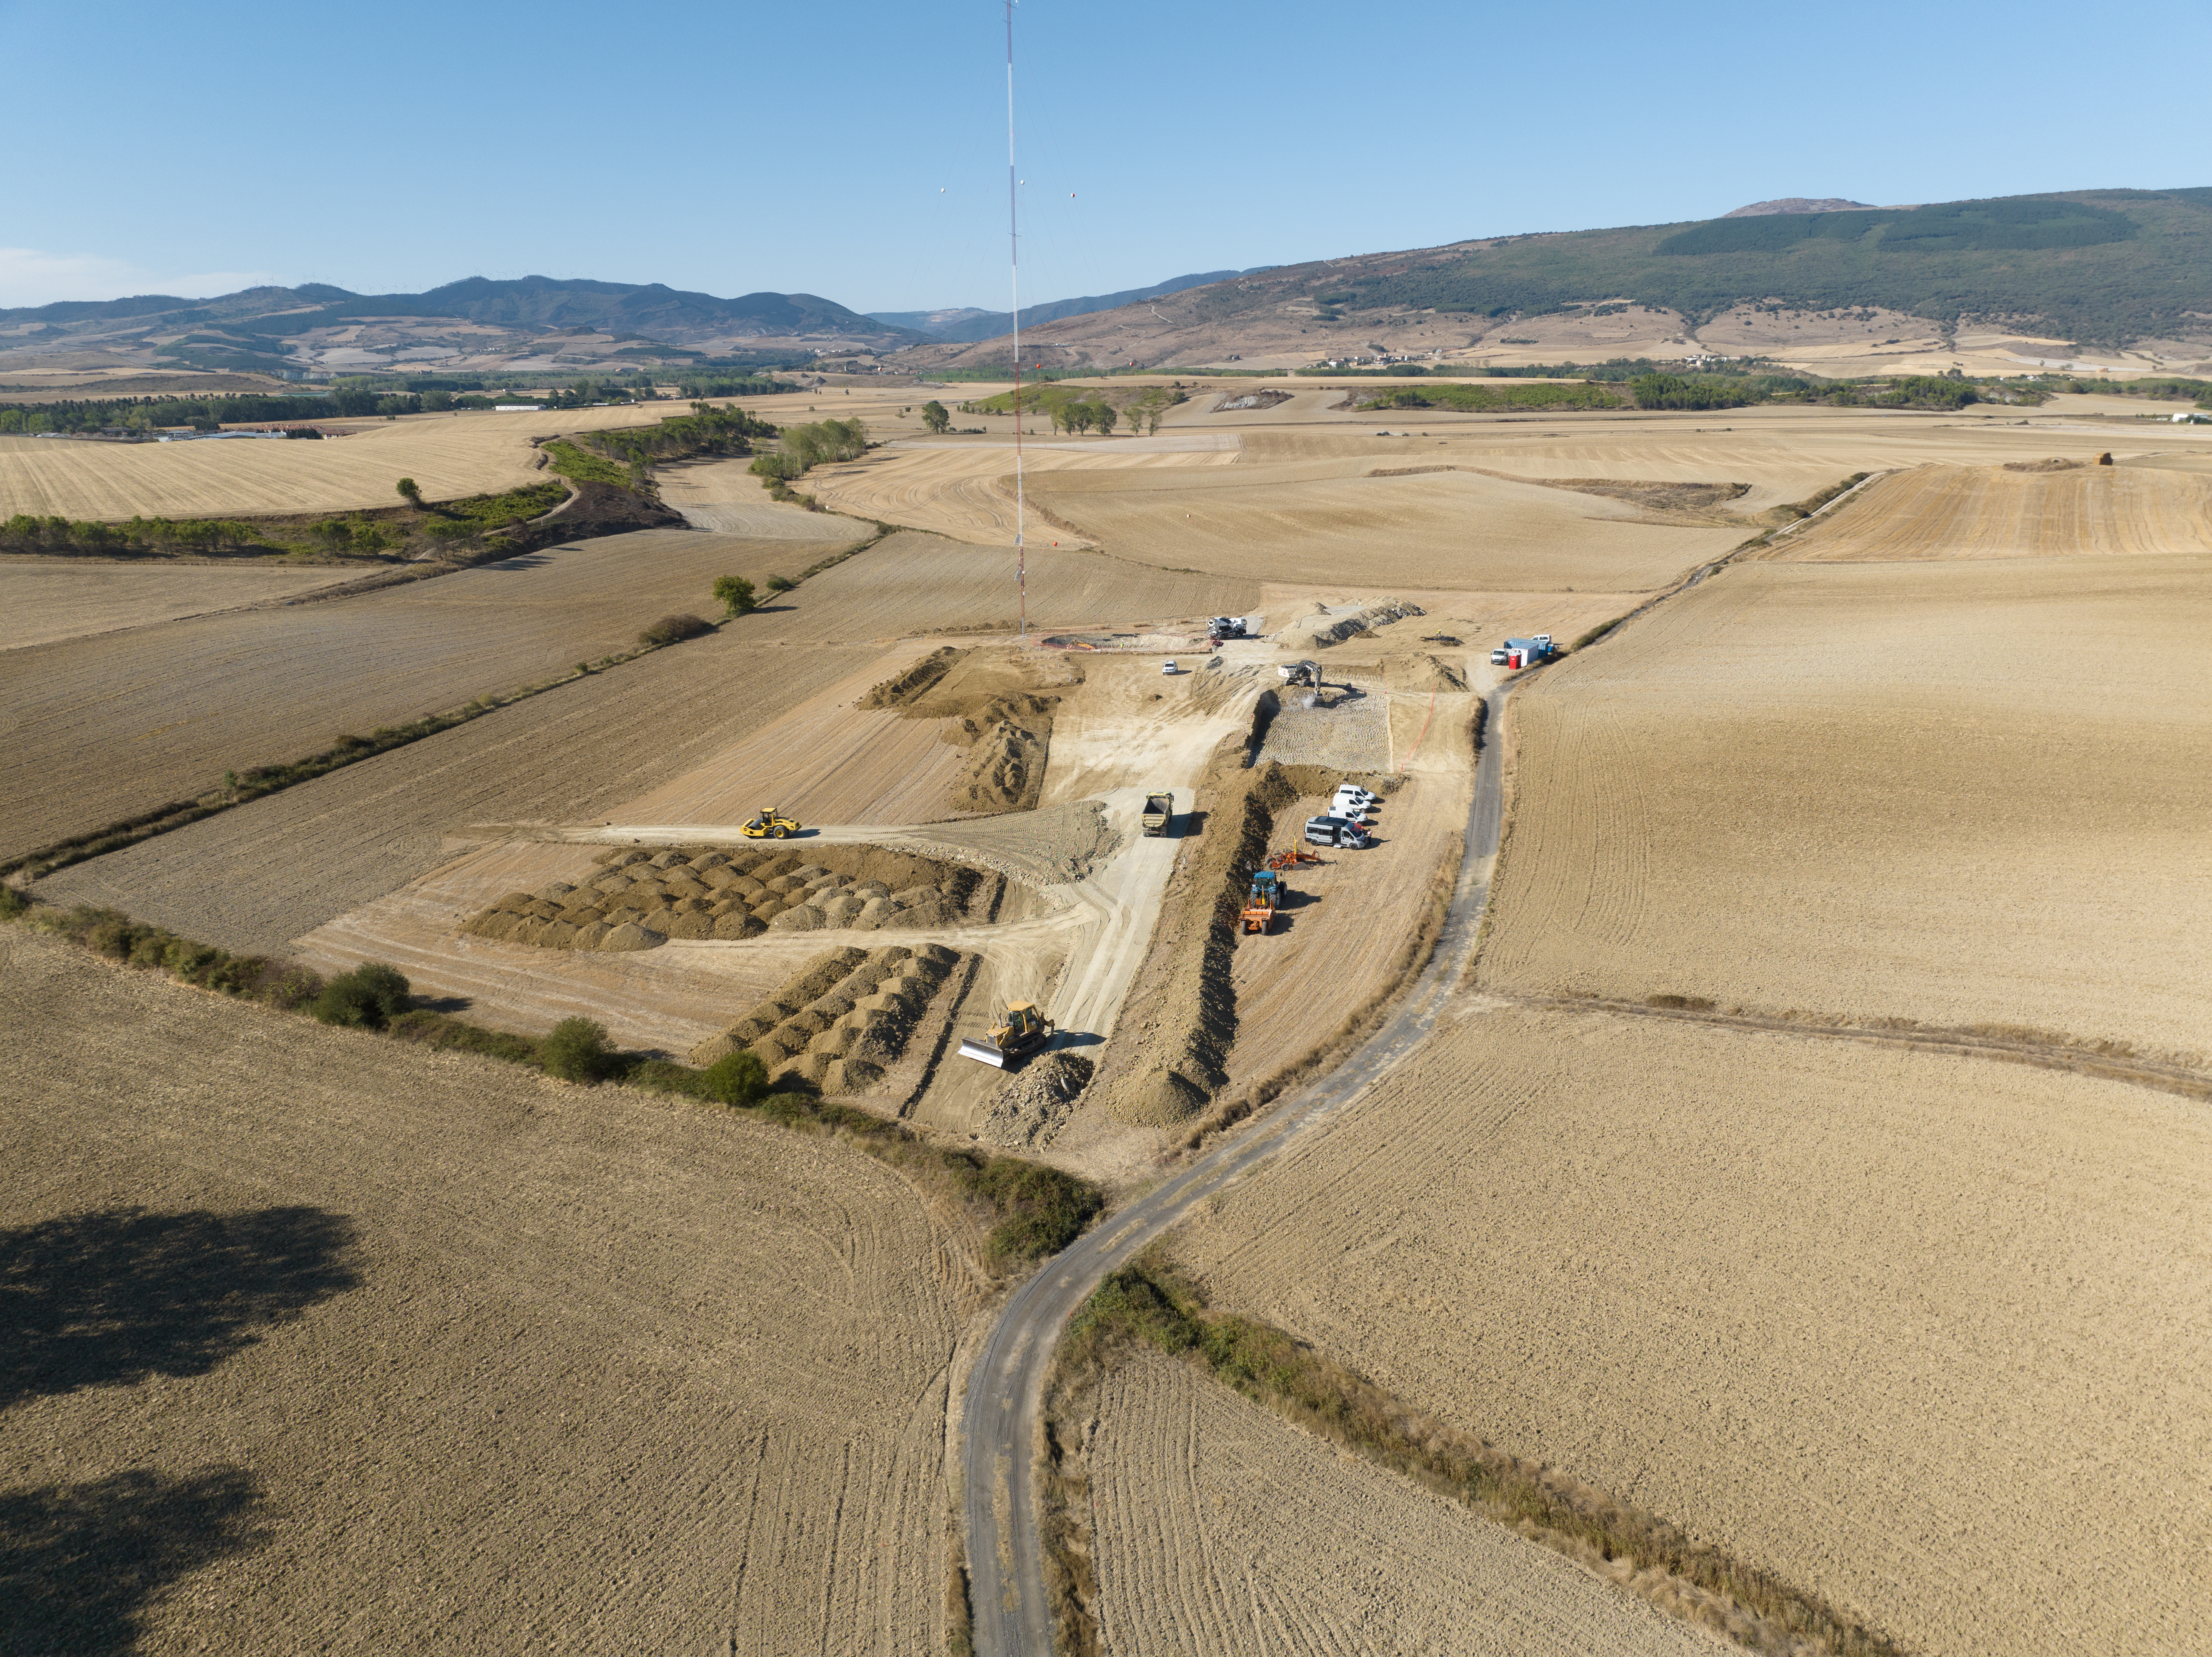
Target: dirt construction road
<point>1000,1422</point>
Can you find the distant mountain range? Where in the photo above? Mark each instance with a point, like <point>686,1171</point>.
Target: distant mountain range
<point>967,322</point>
<point>2100,267</point>
<point>476,325</point>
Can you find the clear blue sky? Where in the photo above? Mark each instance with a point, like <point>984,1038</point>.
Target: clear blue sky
<point>858,150</point>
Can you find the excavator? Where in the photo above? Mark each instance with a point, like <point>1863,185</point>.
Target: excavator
<point>1024,1031</point>
<point>769,825</point>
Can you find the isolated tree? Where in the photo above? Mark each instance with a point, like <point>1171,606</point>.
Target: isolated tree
<point>735,594</point>
<point>935,417</point>
<point>411,491</point>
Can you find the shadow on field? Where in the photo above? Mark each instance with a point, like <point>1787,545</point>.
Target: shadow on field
<point>110,1298</point>
<point>78,1563</point>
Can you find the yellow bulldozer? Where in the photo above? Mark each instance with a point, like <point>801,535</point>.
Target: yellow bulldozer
<point>1025,1030</point>
<point>770,826</point>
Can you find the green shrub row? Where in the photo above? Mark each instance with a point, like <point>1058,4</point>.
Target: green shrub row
<point>1032,1211</point>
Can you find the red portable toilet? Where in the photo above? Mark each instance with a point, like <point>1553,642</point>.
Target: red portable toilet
<point>1513,660</point>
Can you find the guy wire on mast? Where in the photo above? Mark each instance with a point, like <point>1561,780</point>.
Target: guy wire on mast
<point>1014,255</point>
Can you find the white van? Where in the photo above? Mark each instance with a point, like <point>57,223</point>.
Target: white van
<point>1335,832</point>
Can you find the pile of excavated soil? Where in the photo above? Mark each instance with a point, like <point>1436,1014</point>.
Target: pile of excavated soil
<point>1419,671</point>
<point>1171,1048</point>
<point>1031,1107</point>
<point>842,1018</point>
<point>1328,627</point>
<point>998,705</point>
<point>642,898</point>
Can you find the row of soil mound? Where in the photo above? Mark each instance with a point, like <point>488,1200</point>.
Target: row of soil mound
<point>842,1018</point>
<point>643,898</point>
<point>1318,632</point>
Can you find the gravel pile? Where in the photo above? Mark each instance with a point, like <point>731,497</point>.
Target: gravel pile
<point>1353,736</point>
<point>1030,1108</point>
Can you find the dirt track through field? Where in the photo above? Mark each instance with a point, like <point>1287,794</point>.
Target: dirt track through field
<point>1220,1529</point>
<point>103,728</point>
<point>413,1352</point>
<point>1911,1331</point>
<point>1934,809</point>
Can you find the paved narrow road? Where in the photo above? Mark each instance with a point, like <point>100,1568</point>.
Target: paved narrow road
<point>1005,1553</point>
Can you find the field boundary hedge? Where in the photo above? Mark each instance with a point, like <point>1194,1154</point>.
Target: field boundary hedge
<point>1027,1210</point>
<point>1151,1302</point>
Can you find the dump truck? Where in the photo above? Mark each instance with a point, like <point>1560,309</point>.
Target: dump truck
<point>1266,897</point>
<point>1159,811</point>
<point>1024,1031</point>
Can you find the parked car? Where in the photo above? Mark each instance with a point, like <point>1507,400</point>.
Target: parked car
<point>1169,667</point>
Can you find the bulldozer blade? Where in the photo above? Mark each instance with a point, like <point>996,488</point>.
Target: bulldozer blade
<point>984,1053</point>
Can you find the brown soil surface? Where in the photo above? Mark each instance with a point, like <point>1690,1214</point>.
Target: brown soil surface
<point>914,583</point>
<point>1881,791</point>
<point>1220,1528</point>
<point>107,727</point>
<point>966,490</point>
<point>1343,933</point>
<point>1308,523</point>
<point>47,599</point>
<point>258,876</point>
<point>418,1352</point>
<point>2002,512</point>
<point>1920,1333</point>
<point>724,496</point>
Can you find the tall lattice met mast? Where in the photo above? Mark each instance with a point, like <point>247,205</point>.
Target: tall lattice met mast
<point>1014,257</point>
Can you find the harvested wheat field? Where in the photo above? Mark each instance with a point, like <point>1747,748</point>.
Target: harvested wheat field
<point>333,1343</point>
<point>1921,1333</point>
<point>258,876</point>
<point>1880,791</point>
<point>1996,512</point>
<point>914,583</point>
<point>965,490</point>
<point>1219,1528</point>
<point>46,600</point>
<point>1432,529</point>
<point>450,455</point>
<point>107,727</point>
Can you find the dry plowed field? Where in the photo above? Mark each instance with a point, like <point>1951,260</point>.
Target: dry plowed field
<point>1433,529</point>
<point>1897,791</point>
<point>105,726</point>
<point>1987,511</point>
<point>915,583</point>
<point>966,490</point>
<point>257,877</point>
<point>46,600</point>
<point>319,1342</point>
<point>1220,1530</point>
<point>1921,1333</point>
